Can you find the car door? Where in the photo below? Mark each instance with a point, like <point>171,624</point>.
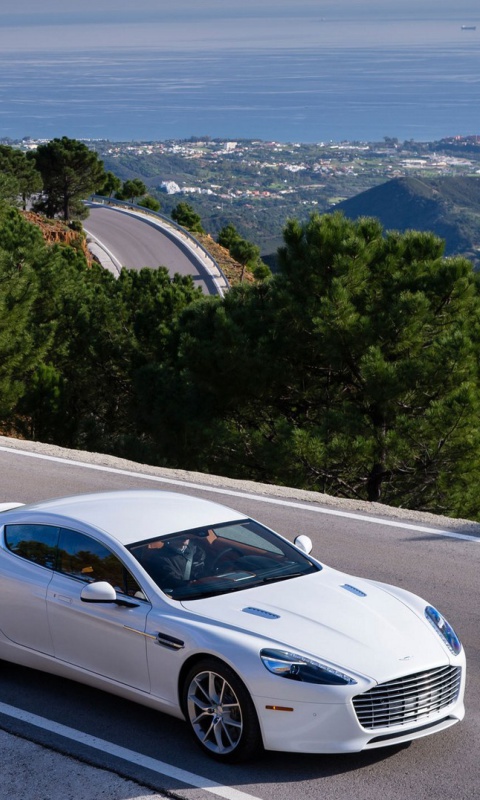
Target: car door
<point>26,569</point>
<point>104,638</point>
<point>168,644</point>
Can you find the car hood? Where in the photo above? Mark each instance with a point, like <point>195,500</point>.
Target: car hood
<point>349,622</point>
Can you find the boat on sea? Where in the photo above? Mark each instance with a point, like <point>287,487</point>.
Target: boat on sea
<point>468,27</point>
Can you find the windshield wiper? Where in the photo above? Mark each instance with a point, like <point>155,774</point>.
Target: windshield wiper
<point>272,578</point>
<point>211,593</point>
<point>254,580</point>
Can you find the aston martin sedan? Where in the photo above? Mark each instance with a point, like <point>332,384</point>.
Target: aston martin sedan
<point>195,610</point>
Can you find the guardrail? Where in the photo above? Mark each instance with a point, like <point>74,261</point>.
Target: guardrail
<point>170,223</point>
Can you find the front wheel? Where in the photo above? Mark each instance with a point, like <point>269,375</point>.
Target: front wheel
<point>220,712</point>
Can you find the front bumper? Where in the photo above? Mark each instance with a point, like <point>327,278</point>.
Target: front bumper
<point>306,727</point>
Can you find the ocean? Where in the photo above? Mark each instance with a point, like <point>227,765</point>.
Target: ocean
<point>347,81</point>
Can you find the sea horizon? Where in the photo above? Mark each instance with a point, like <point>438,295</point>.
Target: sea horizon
<point>304,79</point>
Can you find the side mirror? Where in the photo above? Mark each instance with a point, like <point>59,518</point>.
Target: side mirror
<point>9,506</point>
<point>103,592</point>
<point>98,592</point>
<point>304,543</point>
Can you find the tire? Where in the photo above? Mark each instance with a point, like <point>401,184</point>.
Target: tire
<point>220,712</point>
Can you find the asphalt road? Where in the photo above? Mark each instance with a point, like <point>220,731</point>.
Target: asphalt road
<point>410,552</point>
<point>136,242</point>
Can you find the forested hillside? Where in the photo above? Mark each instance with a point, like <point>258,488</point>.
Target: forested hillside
<point>450,207</point>
<point>353,371</point>
<point>258,186</point>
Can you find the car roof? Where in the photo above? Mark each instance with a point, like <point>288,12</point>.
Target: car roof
<point>128,516</point>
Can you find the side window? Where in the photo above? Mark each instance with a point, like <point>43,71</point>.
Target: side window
<point>37,543</point>
<point>84,558</point>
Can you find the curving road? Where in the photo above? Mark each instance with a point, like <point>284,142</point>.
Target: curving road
<point>136,241</point>
<point>415,552</point>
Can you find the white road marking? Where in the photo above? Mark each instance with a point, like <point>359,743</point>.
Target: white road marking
<point>249,496</point>
<point>160,767</point>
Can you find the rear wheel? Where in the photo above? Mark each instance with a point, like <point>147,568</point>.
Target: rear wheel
<point>220,712</point>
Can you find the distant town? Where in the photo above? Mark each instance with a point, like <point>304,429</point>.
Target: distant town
<point>257,185</point>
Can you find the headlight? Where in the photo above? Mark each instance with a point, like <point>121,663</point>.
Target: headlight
<point>299,668</point>
<point>443,629</point>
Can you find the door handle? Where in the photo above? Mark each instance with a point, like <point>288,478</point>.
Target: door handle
<point>62,598</point>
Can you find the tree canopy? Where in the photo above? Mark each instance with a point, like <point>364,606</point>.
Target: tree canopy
<point>70,172</point>
<point>353,371</point>
<point>20,345</point>
<point>243,251</point>
<point>183,214</point>
<point>19,177</point>
<point>131,190</point>
<point>112,185</point>
<point>149,202</point>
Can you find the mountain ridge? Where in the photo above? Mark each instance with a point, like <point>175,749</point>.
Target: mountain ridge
<point>447,206</point>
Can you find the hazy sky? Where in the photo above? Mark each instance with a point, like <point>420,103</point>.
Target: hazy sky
<point>212,24</point>
<point>157,9</point>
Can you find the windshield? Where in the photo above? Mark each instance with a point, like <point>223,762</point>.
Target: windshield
<point>225,558</point>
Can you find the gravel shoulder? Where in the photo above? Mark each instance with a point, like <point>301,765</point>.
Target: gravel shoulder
<point>262,489</point>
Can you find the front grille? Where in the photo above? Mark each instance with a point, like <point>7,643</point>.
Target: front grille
<point>408,699</point>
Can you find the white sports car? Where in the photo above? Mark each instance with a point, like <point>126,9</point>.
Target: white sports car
<point>191,608</point>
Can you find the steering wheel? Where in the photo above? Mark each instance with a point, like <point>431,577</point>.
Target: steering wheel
<point>218,559</point>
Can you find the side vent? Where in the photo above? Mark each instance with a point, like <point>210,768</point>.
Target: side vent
<point>353,590</point>
<point>170,641</point>
<point>259,612</point>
